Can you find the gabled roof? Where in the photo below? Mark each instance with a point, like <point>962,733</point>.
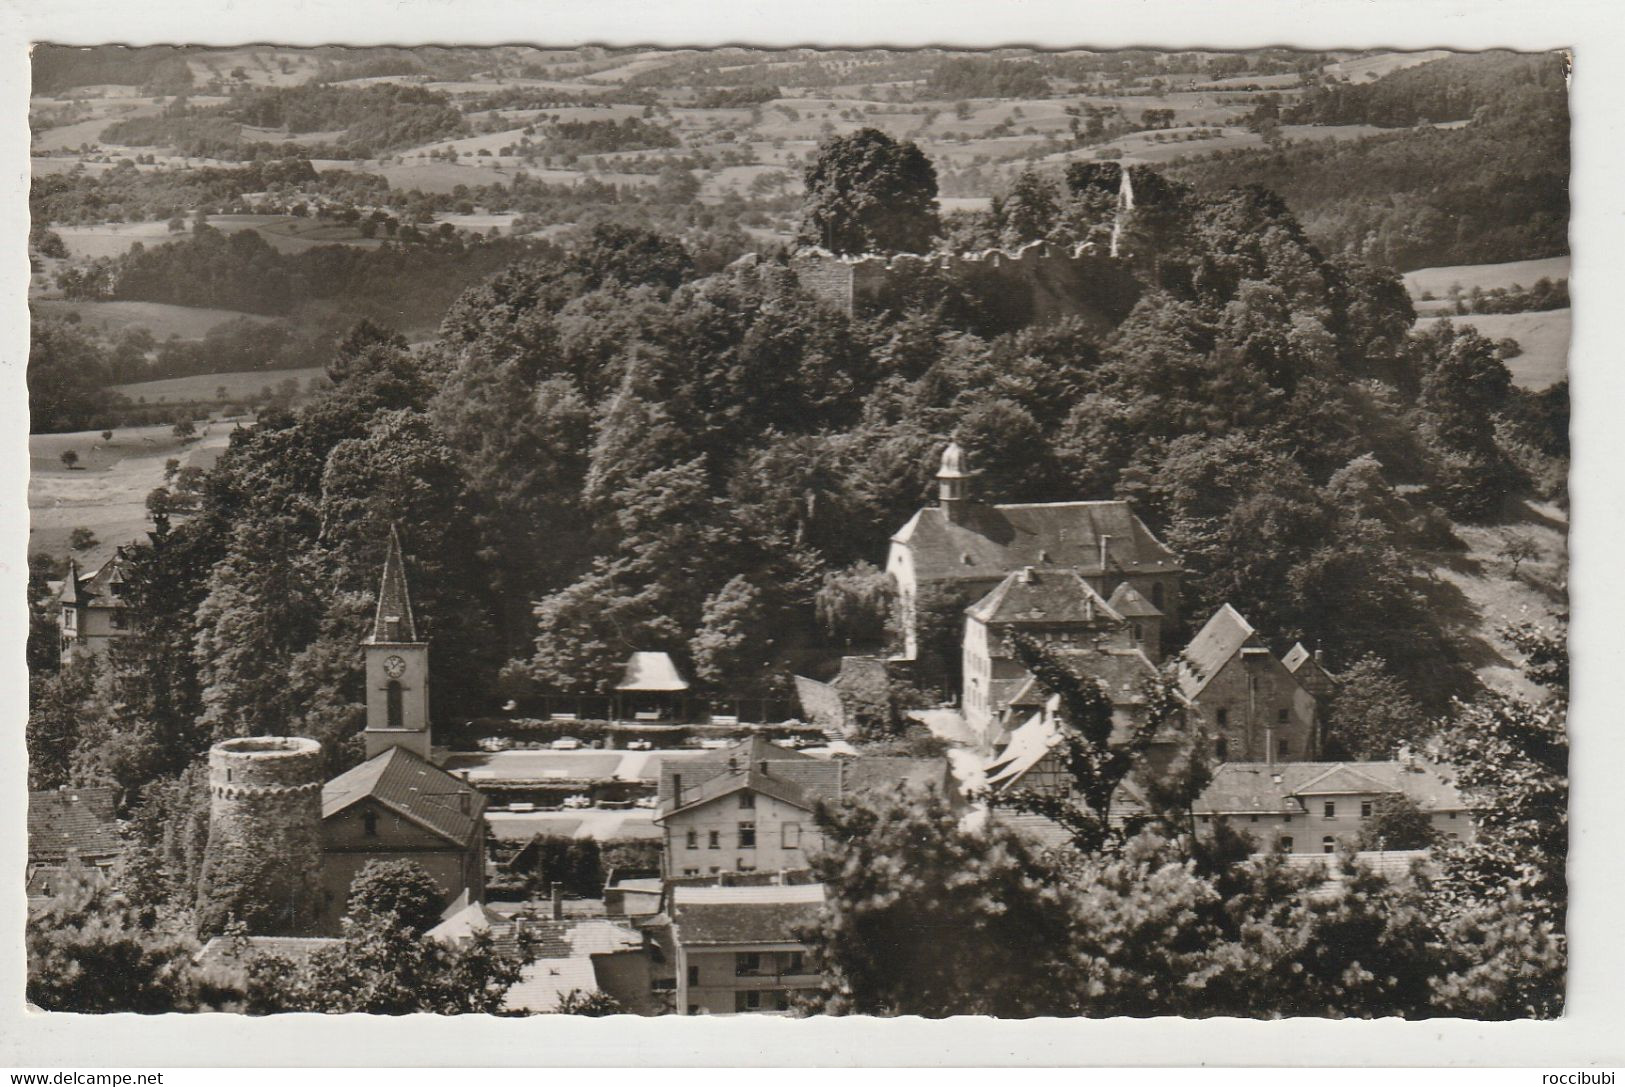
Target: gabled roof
<point>394,622</point>
<point>68,820</point>
<point>651,672</point>
<point>564,953</point>
<point>797,779</point>
<point>1028,745</point>
<point>1120,671</point>
<point>1220,639</point>
<point>1302,663</point>
<point>414,789</point>
<point>1043,595</point>
<point>1130,603</point>
<point>1240,788</point>
<point>991,541</point>
<point>100,586</point>
<point>743,915</point>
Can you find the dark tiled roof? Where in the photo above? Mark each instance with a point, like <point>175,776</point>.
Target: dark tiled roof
<point>80,820</point>
<point>1130,603</point>
<point>394,622</point>
<point>1302,664</point>
<point>1047,595</point>
<point>802,781</point>
<point>1120,671</point>
<point>744,915</point>
<point>232,950</point>
<point>1243,787</point>
<point>991,541</point>
<point>413,788</point>
<point>1223,636</point>
<point>751,751</point>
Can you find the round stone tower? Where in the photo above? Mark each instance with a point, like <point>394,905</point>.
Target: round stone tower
<point>263,863</point>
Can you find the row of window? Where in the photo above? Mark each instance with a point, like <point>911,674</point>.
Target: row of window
<point>1328,811</point>
<point>1221,748</point>
<point>789,837</point>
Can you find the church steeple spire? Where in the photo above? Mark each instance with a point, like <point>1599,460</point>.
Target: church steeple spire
<point>953,483</point>
<point>397,667</point>
<point>393,622</point>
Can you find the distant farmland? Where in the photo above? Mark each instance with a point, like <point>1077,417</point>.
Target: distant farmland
<point>205,388</point>
<point>1543,336</point>
<point>159,318</point>
<point>1438,281</point>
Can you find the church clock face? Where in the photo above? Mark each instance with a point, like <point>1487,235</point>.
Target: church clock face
<point>394,667</point>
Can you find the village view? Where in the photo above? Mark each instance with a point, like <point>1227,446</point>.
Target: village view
<point>708,532</point>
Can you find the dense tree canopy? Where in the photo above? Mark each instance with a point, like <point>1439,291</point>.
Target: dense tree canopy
<point>869,193</point>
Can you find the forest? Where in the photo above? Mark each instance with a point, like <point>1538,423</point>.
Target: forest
<point>1493,190</point>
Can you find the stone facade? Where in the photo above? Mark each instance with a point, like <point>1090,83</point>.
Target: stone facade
<point>263,861</point>
<point>1039,283</point>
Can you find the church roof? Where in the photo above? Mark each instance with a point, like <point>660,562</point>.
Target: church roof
<point>651,672</point>
<point>990,541</point>
<point>1048,595</point>
<point>394,622</point>
<point>1223,636</point>
<point>415,789</point>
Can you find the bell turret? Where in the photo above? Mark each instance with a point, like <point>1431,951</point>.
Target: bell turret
<point>953,483</point>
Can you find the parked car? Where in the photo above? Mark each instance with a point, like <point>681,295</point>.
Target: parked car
<point>647,801</point>
<point>715,745</point>
<point>495,743</point>
<point>575,802</point>
<point>792,742</point>
<point>521,807</point>
<point>566,743</point>
<point>640,745</point>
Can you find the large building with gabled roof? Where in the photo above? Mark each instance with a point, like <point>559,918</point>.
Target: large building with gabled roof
<point>94,612</point>
<point>750,807</point>
<point>965,546</point>
<point>1253,707</point>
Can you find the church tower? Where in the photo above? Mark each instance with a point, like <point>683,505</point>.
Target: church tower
<point>397,667</point>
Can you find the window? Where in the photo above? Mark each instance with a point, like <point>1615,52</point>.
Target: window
<point>1282,748</point>
<point>693,975</point>
<point>747,835</point>
<point>693,1009</point>
<point>1156,594</point>
<point>119,621</point>
<point>1139,633</point>
<point>691,871</point>
<point>69,617</point>
<point>1281,717</point>
<point>693,839</point>
<point>1221,749</point>
<point>1252,819</point>
<point>714,869</point>
<point>1330,810</point>
<point>748,1001</point>
<point>1286,843</point>
<point>791,835</point>
<point>1223,717</point>
<point>747,800</point>
<point>394,707</point>
<point>1286,818</point>
<point>747,964</point>
<point>794,963</point>
<point>1203,818</point>
<point>369,823</point>
<point>713,840</point>
<point>1328,844</point>
<point>1452,815</point>
<point>1365,809</point>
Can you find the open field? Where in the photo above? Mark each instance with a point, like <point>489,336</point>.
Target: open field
<point>159,318</point>
<point>107,493</point>
<point>1478,593</point>
<point>1438,281</point>
<point>205,388</point>
<point>1365,69</point>
<point>111,239</point>
<point>1544,337</point>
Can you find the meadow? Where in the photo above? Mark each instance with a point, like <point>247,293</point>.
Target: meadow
<point>161,319</point>
<point>1544,337</point>
<point>215,388</point>
<point>1438,281</point>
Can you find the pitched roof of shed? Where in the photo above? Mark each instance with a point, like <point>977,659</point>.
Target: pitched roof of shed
<point>993,540</point>
<point>414,789</point>
<point>1043,595</point>
<point>81,820</point>
<point>651,672</point>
